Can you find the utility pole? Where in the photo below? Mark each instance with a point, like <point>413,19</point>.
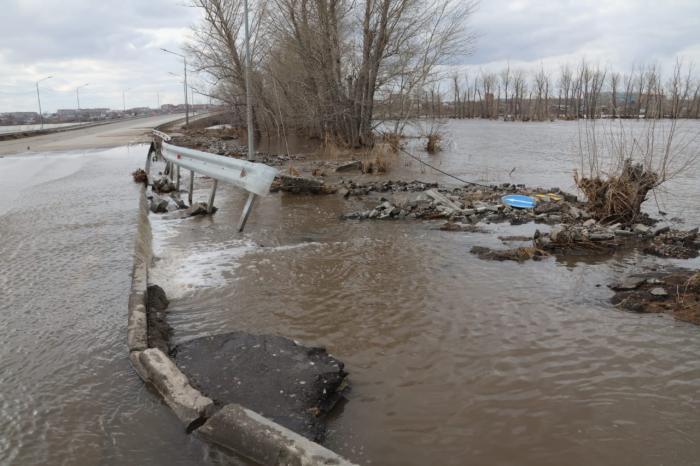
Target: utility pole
<point>184,59</point>
<point>249,97</point>
<point>38,98</point>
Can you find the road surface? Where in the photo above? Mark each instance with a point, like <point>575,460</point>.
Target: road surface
<point>103,136</point>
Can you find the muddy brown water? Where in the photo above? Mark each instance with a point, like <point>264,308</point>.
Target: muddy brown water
<point>452,360</point>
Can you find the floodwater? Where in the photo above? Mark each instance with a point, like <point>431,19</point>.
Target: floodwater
<point>67,392</point>
<point>452,360</point>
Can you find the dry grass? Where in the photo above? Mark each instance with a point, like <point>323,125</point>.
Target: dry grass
<point>393,140</point>
<point>379,159</point>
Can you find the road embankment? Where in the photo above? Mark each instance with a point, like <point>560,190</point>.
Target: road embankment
<point>228,425</point>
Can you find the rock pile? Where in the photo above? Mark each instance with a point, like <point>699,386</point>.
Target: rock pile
<point>353,188</point>
<point>460,206</point>
<point>163,185</point>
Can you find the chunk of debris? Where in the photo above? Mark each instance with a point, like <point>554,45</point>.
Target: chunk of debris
<point>163,185</point>
<point>350,166</point>
<point>140,176</point>
<point>518,254</point>
<point>459,226</point>
<point>301,185</point>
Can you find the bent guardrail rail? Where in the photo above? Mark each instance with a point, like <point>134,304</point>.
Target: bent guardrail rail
<point>255,178</point>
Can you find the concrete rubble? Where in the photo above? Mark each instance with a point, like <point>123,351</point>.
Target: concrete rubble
<point>301,185</point>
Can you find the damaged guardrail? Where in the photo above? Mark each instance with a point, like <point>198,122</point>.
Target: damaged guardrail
<point>255,178</point>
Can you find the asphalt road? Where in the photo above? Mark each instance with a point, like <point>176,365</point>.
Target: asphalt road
<point>103,136</point>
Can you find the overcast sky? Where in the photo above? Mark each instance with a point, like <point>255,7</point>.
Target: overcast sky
<point>114,45</point>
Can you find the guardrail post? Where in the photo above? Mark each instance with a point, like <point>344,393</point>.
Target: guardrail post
<point>189,195</point>
<point>151,151</point>
<point>210,206</point>
<point>246,211</point>
<point>177,183</point>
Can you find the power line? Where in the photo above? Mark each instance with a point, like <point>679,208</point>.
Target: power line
<point>442,171</point>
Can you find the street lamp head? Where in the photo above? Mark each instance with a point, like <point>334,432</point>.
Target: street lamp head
<point>174,53</point>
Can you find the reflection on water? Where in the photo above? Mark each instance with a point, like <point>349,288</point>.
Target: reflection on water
<point>453,360</point>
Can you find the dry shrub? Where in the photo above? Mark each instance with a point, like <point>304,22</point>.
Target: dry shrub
<point>292,171</point>
<point>693,283</point>
<point>433,145</point>
<point>622,162</point>
<point>140,176</point>
<point>331,148</point>
<point>618,197</point>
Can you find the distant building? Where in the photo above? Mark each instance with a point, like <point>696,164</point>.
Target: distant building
<point>92,114</point>
<point>20,118</point>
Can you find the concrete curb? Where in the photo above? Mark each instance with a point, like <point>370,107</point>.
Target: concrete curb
<point>188,403</point>
<point>263,441</point>
<point>233,427</point>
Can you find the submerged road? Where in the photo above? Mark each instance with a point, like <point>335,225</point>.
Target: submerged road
<point>103,136</point>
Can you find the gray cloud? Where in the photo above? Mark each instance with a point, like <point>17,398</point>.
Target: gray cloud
<point>613,32</point>
<point>114,44</point>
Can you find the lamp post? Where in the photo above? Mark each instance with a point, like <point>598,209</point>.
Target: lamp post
<point>184,59</point>
<point>38,98</point>
<point>77,96</point>
<point>249,97</point>
<point>124,99</point>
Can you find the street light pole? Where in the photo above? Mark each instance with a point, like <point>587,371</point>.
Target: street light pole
<point>249,97</point>
<point>184,59</point>
<point>38,98</point>
<point>124,99</point>
<point>187,108</point>
<point>77,96</point>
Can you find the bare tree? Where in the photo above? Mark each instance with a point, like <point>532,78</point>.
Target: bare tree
<point>614,83</point>
<point>505,76</point>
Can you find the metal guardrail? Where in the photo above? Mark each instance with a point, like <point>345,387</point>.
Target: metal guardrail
<point>256,178</point>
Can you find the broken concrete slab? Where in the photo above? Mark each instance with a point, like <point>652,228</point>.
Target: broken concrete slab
<point>188,403</point>
<point>272,375</point>
<point>253,436</point>
<point>441,199</point>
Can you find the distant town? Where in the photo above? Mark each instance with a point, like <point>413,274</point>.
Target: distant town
<point>96,114</point>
